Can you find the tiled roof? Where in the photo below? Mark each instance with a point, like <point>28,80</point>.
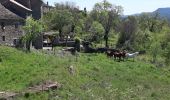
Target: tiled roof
<point>6,14</point>
<point>18,4</point>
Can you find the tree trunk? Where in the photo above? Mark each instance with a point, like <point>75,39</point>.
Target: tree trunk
<point>106,39</point>
<point>60,33</point>
<point>106,42</point>
<point>66,40</point>
<point>28,45</point>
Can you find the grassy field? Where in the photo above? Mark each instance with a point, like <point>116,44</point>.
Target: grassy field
<point>95,78</point>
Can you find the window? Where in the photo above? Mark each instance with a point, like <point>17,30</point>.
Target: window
<point>3,38</point>
<point>3,26</point>
<point>16,25</point>
<point>16,41</point>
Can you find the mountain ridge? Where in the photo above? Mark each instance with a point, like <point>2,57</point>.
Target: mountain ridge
<point>163,12</point>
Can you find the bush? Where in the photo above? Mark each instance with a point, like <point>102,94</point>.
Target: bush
<point>155,51</point>
<point>77,44</point>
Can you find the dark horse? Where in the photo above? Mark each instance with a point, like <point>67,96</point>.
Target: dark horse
<point>110,52</point>
<point>117,54</point>
<point>120,55</point>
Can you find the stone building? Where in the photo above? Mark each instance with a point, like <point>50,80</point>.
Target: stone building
<point>24,8</point>
<point>12,17</point>
<point>10,27</point>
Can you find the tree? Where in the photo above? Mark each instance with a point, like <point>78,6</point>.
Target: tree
<point>66,30</point>
<point>128,30</point>
<point>32,29</point>
<point>142,40</point>
<point>57,19</point>
<point>151,22</point>
<point>106,13</point>
<point>76,14</point>
<point>155,51</point>
<point>97,31</point>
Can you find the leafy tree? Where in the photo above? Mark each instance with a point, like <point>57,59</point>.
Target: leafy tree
<point>97,31</point>
<point>32,29</point>
<point>57,19</point>
<point>80,27</point>
<point>106,13</point>
<point>129,28</point>
<point>142,40</point>
<point>155,51</point>
<point>66,30</point>
<point>151,22</point>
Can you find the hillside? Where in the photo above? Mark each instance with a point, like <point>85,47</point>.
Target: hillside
<point>95,76</point>
<point>164,12</point>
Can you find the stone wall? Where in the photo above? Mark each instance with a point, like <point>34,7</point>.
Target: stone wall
<point>11,32</point>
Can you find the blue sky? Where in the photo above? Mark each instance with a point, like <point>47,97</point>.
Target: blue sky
<point>130,6</point>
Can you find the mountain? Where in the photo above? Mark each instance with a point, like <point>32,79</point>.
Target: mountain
<point>163,12</point>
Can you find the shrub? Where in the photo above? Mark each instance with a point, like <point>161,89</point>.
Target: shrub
<point>77,44</point>
<point>155,51</point>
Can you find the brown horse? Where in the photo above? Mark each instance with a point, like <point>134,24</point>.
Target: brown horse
<point>120,55</point>
<point>117,54</point>
<point>110,54</point>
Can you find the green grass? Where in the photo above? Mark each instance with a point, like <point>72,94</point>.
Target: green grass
<point>96,77</point>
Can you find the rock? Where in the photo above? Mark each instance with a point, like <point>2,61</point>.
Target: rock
<point>71,70</point>
<point>45,86</point>
<point>7,95</point>
<point>53,85</point>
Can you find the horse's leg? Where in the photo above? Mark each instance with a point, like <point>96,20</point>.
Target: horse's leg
<point>119,58</point>
<point>126,58</point>
<point>123,58</point>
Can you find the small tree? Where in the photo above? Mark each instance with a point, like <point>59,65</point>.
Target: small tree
<point>32,29</point>
<point>106,13</point>
<point>155,51</point>
<point>66,31</point>
<point>77,43</point>
<point>57,19</point>
<point>128,30</point>
<point>97,31</point>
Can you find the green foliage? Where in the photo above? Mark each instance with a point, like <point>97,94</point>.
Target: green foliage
<point>128,31</point>
<point>151,22</point>
<point>106,14</point>
<point>57,19</point>
<point>142,40</point>
<point>155,51</point>
<point>32,28</point>
<point>66,29</point>
<point>97,32</point>
<point>79,30</point>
